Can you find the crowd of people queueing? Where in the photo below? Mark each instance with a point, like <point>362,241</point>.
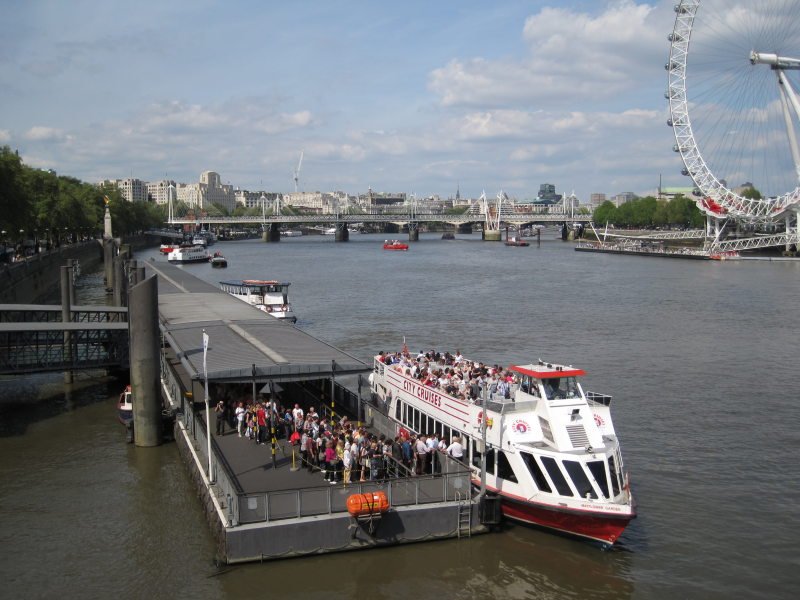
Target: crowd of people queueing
<point>340,450</point>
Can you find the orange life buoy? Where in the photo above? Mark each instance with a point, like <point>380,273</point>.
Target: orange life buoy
<point>360,505</point>
<point>480,419</point>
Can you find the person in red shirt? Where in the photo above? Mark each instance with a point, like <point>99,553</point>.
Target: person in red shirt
<point>261,417</point>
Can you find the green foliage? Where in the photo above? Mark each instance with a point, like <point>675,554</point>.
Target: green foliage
<point>752,193</point>
<point>650,212</point>
<point>458,210</point>
<point>55,208</point>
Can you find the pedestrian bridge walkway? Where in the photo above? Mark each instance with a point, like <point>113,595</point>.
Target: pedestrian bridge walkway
<point>35,339</point>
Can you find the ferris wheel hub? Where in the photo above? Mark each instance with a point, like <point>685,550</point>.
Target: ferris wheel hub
<point>774,60</point>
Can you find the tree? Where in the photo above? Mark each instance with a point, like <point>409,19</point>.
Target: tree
<point>605,213</point>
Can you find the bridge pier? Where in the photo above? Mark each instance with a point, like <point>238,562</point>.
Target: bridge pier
<point>464,228</point>
<point>413,231</point>
<point>66,315</point>
<point>108,263</point>
<point>342,233</point>
<point>492,235</point>
<point>145,365</point>
<point>271,233</point>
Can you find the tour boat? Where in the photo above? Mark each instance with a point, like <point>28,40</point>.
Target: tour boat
<point>554,457</point>
<point>394,245</point>
<point>218,261</point>
<point>167,248</point>
<point>270,296</point>
<point>188,254</point>
<point>125,406</point>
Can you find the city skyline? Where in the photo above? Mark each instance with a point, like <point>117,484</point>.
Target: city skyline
<point>412,98</point>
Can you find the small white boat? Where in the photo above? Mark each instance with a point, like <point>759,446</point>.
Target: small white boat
<point>270,296</point>
<point>125,406</point>
<point>188,254</point>
<point>329,231</point>
<point>291,233</point>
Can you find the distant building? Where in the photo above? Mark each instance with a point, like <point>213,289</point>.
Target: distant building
<point>596,200</point>
<point>380,199</point>
<point>159,192</point>
<point>209,191</point>
<point>547,194</point>
<point>132,190</point>
<point>668,193</point>
<point>622,198</point>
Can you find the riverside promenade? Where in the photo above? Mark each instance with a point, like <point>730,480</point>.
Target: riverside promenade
<point>257,508</point>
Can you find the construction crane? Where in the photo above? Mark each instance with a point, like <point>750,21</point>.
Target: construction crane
<point>297,171</point>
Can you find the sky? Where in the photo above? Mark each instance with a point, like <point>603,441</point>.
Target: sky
<point>417,97</point>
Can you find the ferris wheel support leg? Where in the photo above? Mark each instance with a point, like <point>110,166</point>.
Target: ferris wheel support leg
<point>788,96</point>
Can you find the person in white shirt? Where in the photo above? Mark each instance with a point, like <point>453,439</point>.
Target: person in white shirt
<point>455,449</point>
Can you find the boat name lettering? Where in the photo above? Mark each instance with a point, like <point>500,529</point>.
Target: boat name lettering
<point>423,393</point>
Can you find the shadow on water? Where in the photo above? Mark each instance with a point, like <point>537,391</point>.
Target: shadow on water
<point>27,400</point>
<point>518,563</point>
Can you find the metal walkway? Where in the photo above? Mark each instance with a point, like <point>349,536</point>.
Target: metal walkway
<point>34,339</point>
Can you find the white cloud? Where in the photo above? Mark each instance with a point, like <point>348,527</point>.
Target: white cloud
<point>5,136</point>
<point>573,57</point>
<point>40,133</point>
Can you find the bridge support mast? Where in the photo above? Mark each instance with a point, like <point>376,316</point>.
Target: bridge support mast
<point>342,233</point>
<point>270,233</point>
<point>145,365</point>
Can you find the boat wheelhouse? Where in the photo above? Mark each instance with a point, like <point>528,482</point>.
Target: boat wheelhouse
<point>188,254</point>
<point>125,406</point>
<point>270,296</point>
<point>552,453</point>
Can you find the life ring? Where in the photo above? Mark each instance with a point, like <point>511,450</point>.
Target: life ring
<point>489,422</point>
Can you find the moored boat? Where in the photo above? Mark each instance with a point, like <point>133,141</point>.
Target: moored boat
<point>188,254</point>
<point>394,245</point>
<point>167,248</point>
<point>553,455</point>
<point>125,406</point>
<point>270,296</point>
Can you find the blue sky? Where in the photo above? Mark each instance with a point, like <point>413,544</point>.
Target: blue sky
<point>415,97</point>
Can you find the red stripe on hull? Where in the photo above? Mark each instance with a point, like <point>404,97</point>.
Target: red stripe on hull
<point>596,528</point>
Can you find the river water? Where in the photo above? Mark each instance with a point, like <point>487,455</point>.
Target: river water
<point>699,356</point>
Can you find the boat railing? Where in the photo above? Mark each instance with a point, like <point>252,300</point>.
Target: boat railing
<point>598,399</point>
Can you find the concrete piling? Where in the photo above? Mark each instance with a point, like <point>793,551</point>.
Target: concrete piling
<point>66,315</point>
<point>145,363</point>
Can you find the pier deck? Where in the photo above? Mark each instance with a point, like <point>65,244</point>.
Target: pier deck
<point>257,511</point>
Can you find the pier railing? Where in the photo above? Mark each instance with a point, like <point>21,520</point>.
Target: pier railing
<point>452,484</point>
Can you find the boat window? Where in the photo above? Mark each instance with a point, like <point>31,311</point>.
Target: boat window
<point>416,421</point>
<point>551,466</point>
<point>538,477</point>
<point>612,468</point>
<point>561,387</point>
<point>579,478</point>
<point>598,470</point>
<point>489,462</point>
<point>398,411</point>
<point>504,469</point>
<point>476,455</point>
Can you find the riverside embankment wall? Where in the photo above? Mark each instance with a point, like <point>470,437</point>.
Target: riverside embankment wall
<point>37,278</point>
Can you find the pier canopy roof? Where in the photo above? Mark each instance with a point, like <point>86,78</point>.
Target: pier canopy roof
<point>244,342</point>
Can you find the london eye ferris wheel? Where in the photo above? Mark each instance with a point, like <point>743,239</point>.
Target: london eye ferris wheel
<point>733,82</point>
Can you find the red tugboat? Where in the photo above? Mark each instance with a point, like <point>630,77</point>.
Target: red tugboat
<point>553,456</point>
<point>394,245</point>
